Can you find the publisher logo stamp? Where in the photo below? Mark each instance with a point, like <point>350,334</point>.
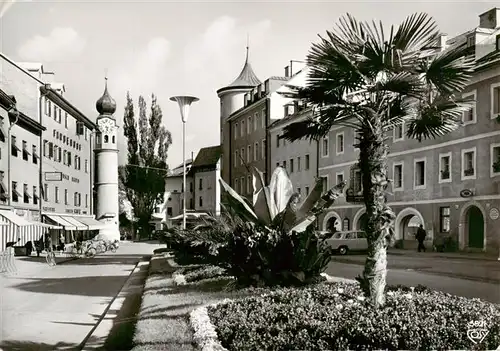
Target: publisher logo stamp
<point>477,331</point>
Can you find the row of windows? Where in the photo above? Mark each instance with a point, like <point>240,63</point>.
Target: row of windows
<point>239,156</point>
<point>245,188</point>
<point>295,167</point>
<point>190,206</point>
<point>56,153</point>
<point>191,186</point>
<point>30,194</point>
<point>468,170</point>
<point>252,124</point>
<point>105,139</point>
<point>54,111</point>
<point>468,117</point>
<point>26,153</point>
<point>77,197</point>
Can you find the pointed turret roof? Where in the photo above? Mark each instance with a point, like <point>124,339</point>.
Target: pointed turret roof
<point>246,79</point>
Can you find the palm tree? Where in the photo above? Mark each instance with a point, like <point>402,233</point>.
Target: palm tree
<point>363,79</point>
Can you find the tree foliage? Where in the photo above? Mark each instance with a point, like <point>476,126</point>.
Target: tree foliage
<point>369,79</point>
<point>143,177</point>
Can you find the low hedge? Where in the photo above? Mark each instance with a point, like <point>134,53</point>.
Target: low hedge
<point>337,317</point>
<point>204,272</point>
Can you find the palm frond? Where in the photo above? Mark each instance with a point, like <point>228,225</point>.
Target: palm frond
<point>435,120</point>
<point>417,32</point>
<point>450,70</point>
<point>402,84</point>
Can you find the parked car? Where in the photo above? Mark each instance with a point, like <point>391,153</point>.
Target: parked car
<point>346,241</point>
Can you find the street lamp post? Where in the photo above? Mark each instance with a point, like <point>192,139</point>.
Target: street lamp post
<point>184,104</point>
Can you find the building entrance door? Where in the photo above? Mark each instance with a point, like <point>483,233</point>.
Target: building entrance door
<point>475,228</point>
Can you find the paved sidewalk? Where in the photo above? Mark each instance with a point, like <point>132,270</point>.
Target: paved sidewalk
<point>55,308</point>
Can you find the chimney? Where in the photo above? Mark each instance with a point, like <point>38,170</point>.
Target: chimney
<point>287,71</point>
<point>490,19</point>
<point>192,156</point>
<point>442,41</point>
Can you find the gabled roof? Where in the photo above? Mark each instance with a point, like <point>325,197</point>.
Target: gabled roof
<point>178,171</point>
<point>208,156</point>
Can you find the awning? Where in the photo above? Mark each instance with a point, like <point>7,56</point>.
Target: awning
<point>46,225</point>
<point>67,225</point>
<point>91,223</point>
<point>78,225</point>
<point>12,217</point>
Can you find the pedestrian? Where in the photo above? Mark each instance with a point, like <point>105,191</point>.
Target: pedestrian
<point>29,247</point>
<point>420,236</point>
<point>39,246</point>
<point>48,242</point>
<point>62,242</point>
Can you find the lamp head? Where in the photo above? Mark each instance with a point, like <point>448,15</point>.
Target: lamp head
<point>184,103</point>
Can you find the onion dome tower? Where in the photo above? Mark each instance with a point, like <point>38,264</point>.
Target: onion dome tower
<point>106,164</point>
<point>232,99</point>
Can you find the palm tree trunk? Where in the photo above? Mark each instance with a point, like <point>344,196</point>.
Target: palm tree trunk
<point>380,218</point>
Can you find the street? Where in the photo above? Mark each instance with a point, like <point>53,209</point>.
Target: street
<point>44,308</point>
<point>47,308</point>
<point>463,277</point>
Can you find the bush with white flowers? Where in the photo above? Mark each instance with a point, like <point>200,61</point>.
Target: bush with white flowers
<point>338,317</point>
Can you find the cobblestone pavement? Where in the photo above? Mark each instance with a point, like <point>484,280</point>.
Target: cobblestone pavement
<point>50,308</point>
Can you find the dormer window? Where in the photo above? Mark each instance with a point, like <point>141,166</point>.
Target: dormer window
<point>471,41</point>
<point>498,42</point>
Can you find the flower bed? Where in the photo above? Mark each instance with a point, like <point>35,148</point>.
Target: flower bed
<point>336,316</point>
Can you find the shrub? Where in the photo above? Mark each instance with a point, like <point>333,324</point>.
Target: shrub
<point>269,241</point>
<point>337,317</point>
<point>199,245</point>
<point>205,272</point>
<point>161,250</point>
<point>259,256</point>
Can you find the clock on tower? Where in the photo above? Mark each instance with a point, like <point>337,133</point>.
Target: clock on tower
<point>106,163</point>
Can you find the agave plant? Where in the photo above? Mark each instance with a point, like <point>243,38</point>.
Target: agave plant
<point>275,206</point>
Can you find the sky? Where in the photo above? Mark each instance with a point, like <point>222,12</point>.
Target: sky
<point>186,47</point>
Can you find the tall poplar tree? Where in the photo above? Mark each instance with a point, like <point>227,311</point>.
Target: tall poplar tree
<point>143,177</point>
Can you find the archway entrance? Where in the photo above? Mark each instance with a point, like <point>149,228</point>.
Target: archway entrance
<point>406,225</point>
<point>362,222</point>
<point>409,226</point>
<point>332,222</point>
<point>333,225</point>
<point>475,227</point>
